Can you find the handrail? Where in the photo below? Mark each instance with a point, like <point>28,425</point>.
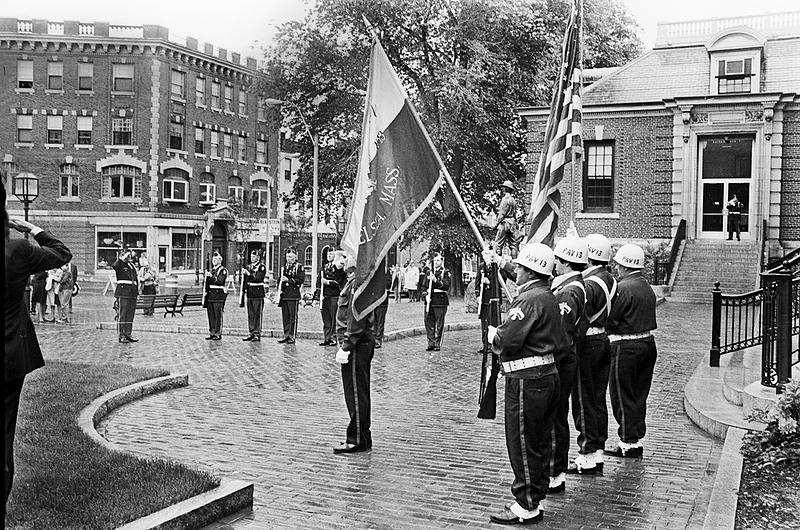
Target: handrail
<point>680,236</point>
<point>762,258</point>
<point>789,260</point>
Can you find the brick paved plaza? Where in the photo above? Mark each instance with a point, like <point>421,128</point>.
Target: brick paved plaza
<point>269,413</point>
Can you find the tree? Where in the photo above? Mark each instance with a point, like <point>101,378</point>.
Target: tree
<point>244,217</point>
<point>466,64</point>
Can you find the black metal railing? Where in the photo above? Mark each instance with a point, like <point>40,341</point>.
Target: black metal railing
<point>662,269</point>
<point>792,258</point>
<point>736,322</point>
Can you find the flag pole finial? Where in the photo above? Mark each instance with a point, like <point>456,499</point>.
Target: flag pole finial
<point>370,28</point>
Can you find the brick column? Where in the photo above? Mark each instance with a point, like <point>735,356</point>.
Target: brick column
<point>155,116</point>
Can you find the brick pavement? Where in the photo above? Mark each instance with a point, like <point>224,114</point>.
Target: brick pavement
<point>270,413</point>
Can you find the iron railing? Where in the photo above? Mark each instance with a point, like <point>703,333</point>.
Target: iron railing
<point>662,269</point>
<point>736,322</point>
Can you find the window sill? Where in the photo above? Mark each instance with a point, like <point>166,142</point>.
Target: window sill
<point>84,92</point>
<point>208,204</point>
<point>215,158</point>
<point>23,144</point>
<point>122,93</point>
<point>177,99</point>
<point>259,165</point>
<point>243,116</point>
<point>53,91</point>
<point>242,162</point>
<point>214,109</point>
<point>200,155</point>
<point>24,90</point>
<point>133,148</point>
<point>54,146</point>
<point>597,215</point>
<point>119,200</point>
<point>177,152</point>
<point>68,199</point>
<point>229,160</point>
<point>201,106</point>
<point>174,202</point>
<point>84,146</point>
<point>227,112</point>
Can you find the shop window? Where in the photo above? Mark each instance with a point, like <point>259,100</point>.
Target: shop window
<point>111,239</point>
<point>185,249</point>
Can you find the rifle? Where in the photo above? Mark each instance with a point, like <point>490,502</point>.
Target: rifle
<point>490,365</point>
<point>430,290</point>
<point>280,290</point>
<point>241,290</point>
<point>205,284</point>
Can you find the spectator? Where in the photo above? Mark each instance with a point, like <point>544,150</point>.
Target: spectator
<point>397,282</point>
<point>39,295</point>
<point>53,286</point>
<point>412,280</point>
<point>148,280</point>
<point>65,292</point>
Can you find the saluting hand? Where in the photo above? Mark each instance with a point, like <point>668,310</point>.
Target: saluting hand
<point>21,225</point>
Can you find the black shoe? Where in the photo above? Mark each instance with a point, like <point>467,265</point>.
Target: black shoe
<point>283,341</point>
<point>436,348</point>
<point>210,337</point>
<point>248,339</point>
<point>508,517</point>
<point>378,345</point>
<point>729,239</point>
<point>572,469</point>
<point>429,348</point>
<point>256,339</point>
<point>131,339</point>
<point>561,488</point>
<point>633,452</point>
<point>327,343</point>
<point>216,337</point>
<point>345,448</point>
<point>124,340</point>
<point>290,341</point>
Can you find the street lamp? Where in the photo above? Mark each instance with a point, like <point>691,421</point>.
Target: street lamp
<point>26,189</point>
<point>314,190</point>
<point>198,231</point>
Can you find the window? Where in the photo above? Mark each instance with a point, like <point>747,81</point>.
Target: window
<point>200,92</point>
<point>262,111</point>
<point>227,145</point>
<point>85,76</point>
<point>55,76</point>
<point>121,182</point>
<point>24,128</point>
<point>235,189</point>
<point>258,196</point>
<point>598,180</point>
<point>208,190</point>
<point>122,131</point>
<point>228,98</point>
<point>185,249</point>
<point>309,256</point>
<point>123,77</point>
<point>68,175</point>
<point>177,84</point>
<point>261,151</point>
<point>199,140</point>
<point>734,76</point>
<point>214,143</point>
<point>176,185</point>
<point>242,148</point>
<point>55,131</point>
<point>110,240</point>
<point>243,103</point>
<point>25,74</point>
<point>287,173</point>
<point>175,135</point>
<point>215,95</point>
<point>84,130</point>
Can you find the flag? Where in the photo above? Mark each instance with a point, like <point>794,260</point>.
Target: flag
<point>399,172</point>
<point>562,138</point>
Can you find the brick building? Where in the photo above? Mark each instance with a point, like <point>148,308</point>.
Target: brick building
<point>138,138</point>
<point>712,110</point>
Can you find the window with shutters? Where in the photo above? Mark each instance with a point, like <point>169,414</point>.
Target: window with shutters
<point>84,130</point>
<point>55,76</point>
<point>25,74</point>
<point>598,176</point>
<point>55,130</point>
<point>122,75</point>
<point>69,181</point>
<point>24,128</point>
<point>121,183</point>
<point>85,76</point>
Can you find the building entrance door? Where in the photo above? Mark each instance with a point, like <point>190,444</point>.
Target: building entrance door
<point>725,167</point>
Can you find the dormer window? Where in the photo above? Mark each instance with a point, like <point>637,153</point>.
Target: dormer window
<point>734,76</point>
<point>735,56</point>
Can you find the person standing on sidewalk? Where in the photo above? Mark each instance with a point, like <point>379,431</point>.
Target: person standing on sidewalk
<point>148,278</point>
<point>528,342</point>
<point>126,292</point>
<point>356,349</point>
<point>292,277</point>
<point>255,290</point>
<point>435,286</point>
<point>65,293</point>
<point>332,279</point>
<point>633,350</point>
<point>215,296</point>
<point>589,391</point>
<point>22,354</point>
<point>412,281</point>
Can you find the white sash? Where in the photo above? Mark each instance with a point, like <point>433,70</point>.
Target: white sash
<point>609,296</point>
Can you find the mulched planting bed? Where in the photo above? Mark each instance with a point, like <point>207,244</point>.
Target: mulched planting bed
<point>769,496</point>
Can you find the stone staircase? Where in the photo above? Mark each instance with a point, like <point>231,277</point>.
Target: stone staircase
<point>732,263</point>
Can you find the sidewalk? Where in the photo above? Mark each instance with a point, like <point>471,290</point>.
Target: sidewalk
<point>269,414</point>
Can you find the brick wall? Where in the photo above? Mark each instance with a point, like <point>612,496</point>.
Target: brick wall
<point>790,179</point>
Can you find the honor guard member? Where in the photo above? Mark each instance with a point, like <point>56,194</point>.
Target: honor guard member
<point>356,349</point>
<point>436,285</point>
<point>255,289</point>
<point>633,350</point>
<point>215,296</point>
<point>528,342</point>
<point>292,277</point>
<point>591,380</point>
<point>332,279</point>
<point>485,292</point>
<point>126,292</point>
<point>380,313</point>
<point>506,220</point>
<point>571,256</point>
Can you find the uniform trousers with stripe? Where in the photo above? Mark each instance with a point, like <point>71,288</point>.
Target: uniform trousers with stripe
<point>127,310</point>
<point>434,325</point>
<point>632,364</point>
<point>530,409</point>
<point>589,411</point>
<point>380,321</point>
<point>214,310</point>
<point>328,311</point>
<point>559,456</point>
<point>255,307</point>
<point>289,314</point>
<point>355,381</point>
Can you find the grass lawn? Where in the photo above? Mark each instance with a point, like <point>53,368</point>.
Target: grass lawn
<point>63,479</point>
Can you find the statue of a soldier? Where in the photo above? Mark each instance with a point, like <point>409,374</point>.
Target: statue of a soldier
<point>506,220</point>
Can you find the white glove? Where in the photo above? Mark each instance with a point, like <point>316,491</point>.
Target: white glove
<point>492,334</point>
<point>342,357</point>
<point>488,256</point>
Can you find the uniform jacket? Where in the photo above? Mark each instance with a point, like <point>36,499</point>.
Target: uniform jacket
<point>507,212</point>
<point>290,290</point>
<point>597,303</point>
<point>490,290</point>
<point>126,271</point>
<point>349,330</point>
<point>734,207</point>
<point>634,310</point>
<point>257,274</point>
<point>22,354</point>
<point>571,299</point>
<point>218,278</point>
<point>532,327</point>
<point>441,284</point>
<point>338,276</point>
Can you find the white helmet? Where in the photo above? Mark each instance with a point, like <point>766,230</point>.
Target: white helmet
<point>536,257</point>
<point>599,247</point>
<point>572,249</point>
<point>631,256</point>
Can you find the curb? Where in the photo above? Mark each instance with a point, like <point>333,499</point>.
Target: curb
<point>721,513</point>
<point>229,497</point>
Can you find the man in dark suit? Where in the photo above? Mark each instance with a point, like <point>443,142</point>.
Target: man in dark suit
<point>126,293</point>
<point>332,279</point>
<point>254,288</point>
<point>292,277</point>
<point>436,284</point>
<point>215,296</point>
<point>22,353</point>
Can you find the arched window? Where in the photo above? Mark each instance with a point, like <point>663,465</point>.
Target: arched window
<point>69,181</point>
<point>235,188</point>
<point>260,194</point>
<point>121,182</point>
<point>208,189</point>
<point>176,185</point>
<point>308,260</point>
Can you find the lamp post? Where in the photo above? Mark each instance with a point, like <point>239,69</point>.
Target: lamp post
<point>314,190</point>
<point>198,231</point>
<point>26,189</point>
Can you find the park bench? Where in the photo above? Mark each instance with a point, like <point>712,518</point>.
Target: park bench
<point>157,301</point>
<point>187,300</point>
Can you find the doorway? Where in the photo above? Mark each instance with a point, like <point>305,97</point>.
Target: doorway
<point>726,166</point>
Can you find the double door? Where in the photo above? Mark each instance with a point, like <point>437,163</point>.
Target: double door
<point>725,171</point>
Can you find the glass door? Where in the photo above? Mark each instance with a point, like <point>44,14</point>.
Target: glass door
<point>725,171</point>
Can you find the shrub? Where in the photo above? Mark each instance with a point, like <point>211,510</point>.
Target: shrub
<point>780,441</point>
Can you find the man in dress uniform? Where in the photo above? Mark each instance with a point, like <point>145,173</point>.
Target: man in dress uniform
<point>254,288</point>
<point>633,350</point>
<point>356,349</point>
<point>528,343</point>
<point>332,279</point>
<point>215,296</point>
<point>734,207</point>
<point>485,292</point>
<point>571,255</point>
<point>589,391</point>
<point>506,220</point>
<point>380,313</point>
<point>126,292</point>
<point>436,285</point>
<point>292,277</point>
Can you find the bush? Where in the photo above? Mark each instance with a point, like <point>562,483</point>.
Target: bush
<point>780,441</point>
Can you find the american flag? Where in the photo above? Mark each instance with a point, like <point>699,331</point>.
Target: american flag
<point>562,138</point>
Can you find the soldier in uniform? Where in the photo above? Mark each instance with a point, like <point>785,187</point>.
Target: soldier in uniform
<point>633,350</point>
<point>356,349</point>
<point>292,277</point>
<point>589,391</point>
<point>436,285</point>
<point>332,279</point>
<point>215,296</point>
<point>380,313</point>
<point>571,256</point>
<point>126,292</point>
<point>485,292</point>
<point>506,220</point>
<point>528,343</point>
<point>255,289</point>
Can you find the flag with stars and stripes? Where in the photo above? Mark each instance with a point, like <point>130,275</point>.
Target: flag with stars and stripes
<point>562,138</point>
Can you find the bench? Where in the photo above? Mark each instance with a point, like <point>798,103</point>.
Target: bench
<point>187,300</point>
<point>157,301</point>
